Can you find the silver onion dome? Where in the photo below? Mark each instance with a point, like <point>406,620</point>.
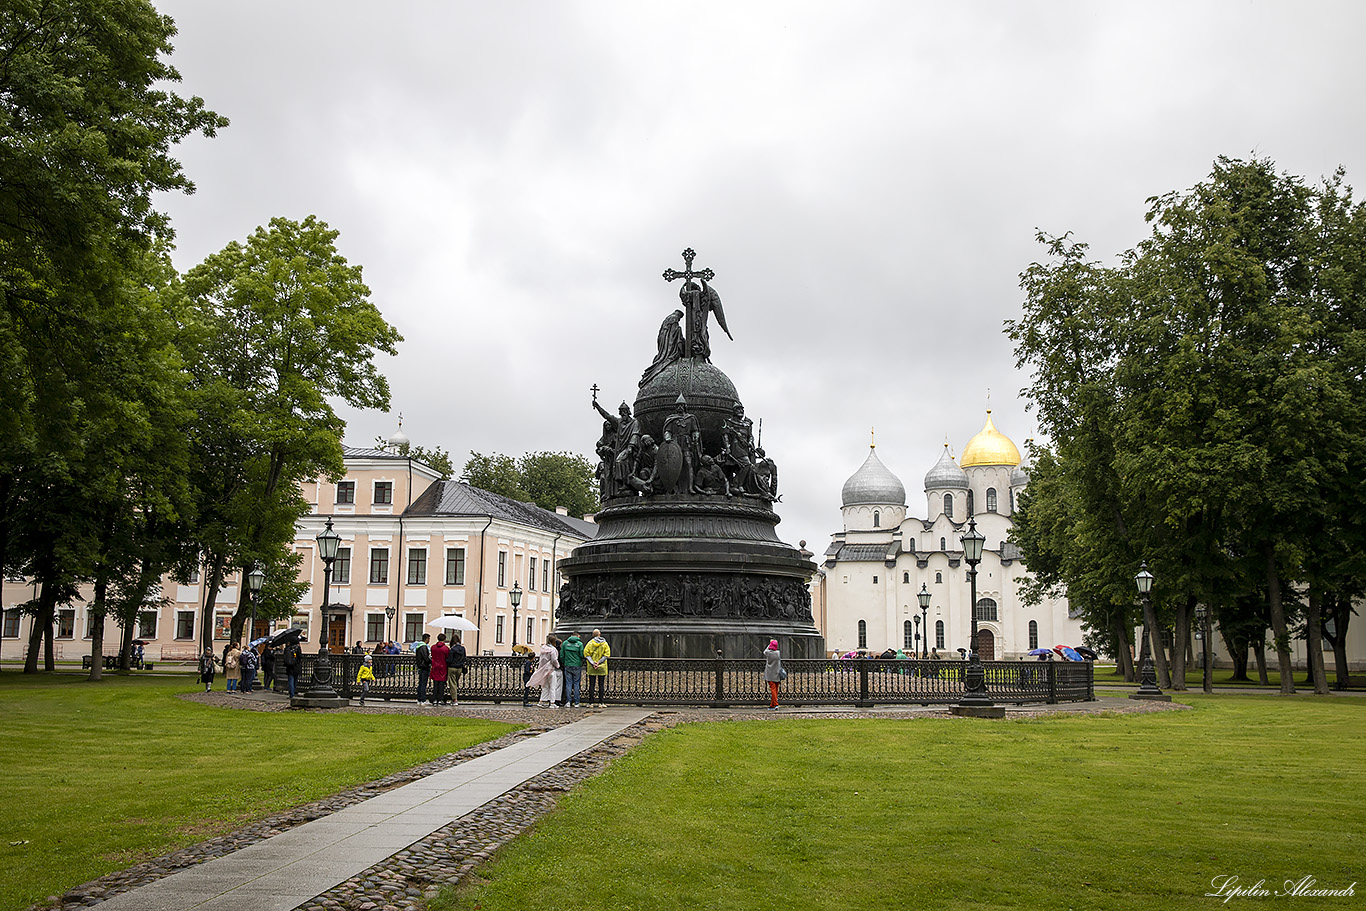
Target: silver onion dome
<point>946,474</point>
<point>873,485</point>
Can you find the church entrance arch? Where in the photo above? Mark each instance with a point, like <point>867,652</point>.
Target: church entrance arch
<point>986,644</point>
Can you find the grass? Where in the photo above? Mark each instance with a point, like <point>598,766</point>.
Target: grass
<point>1067,812</point>
<point>97,777</point>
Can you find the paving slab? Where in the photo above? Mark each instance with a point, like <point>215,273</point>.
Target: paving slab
<point>285,871</point>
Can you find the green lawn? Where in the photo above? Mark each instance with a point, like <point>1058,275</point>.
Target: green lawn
<point>99,776</point>
<point>1069,812</point>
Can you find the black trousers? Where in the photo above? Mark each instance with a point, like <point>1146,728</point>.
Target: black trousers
<point>597,684</point>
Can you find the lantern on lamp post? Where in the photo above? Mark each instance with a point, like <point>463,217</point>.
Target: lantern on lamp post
<point>923,596</point>
<point>515,597</point>
<point>255,579</point>
<point>1147,686</point>
<point>1202,633</point>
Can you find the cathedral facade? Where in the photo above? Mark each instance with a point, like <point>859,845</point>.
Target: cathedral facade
<point>866,595</point>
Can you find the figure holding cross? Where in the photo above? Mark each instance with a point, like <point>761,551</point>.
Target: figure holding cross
<point>699,301</point>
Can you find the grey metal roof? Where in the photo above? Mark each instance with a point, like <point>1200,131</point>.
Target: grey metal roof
<point>946,474</point>
<point>1019,476</point>
<point>863,553</point>
<point>873,485</point>
<point>456,498</point>
<point>370,452</point>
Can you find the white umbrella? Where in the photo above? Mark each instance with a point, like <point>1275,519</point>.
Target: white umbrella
<point>451,621</point>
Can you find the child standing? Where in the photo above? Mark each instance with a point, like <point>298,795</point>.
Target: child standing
<point>365,676</point>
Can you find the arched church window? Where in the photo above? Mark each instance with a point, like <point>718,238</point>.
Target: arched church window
<point>943,544</point>
<point>1033,634</point>
<point>948,505</point>
<point>986,609</point>
<point>971,510</point>
<point>907,639</point>
<point>939,634</point>
<point>938,578</point>
<point>877,519</point>
<point>863,634</point>
<point>991,499</point>
<point>906,578</point>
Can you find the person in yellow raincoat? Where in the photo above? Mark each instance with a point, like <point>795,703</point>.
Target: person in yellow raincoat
<point>365,676</point>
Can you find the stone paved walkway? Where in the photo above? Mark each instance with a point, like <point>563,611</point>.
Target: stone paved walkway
<point>293,867</point>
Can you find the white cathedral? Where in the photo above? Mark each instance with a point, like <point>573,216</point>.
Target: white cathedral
<point>865,595</point>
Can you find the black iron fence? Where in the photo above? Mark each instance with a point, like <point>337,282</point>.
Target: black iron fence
<point>740,681</point>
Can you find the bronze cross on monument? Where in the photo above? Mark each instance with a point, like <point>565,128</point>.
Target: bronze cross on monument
<point>687,275</point>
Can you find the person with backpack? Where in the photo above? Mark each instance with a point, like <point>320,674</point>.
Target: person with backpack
<point>294,662</point>
<point>422,655</point>
<point>571,656</point>
<point>232,667</point>
<point>250,662</point>
<point>207,663</point>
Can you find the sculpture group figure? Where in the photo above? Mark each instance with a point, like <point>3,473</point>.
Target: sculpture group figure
<point>633,464</point>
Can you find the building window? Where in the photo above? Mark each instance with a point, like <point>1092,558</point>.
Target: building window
<point>986,609</point>
<point>948,506</point>
<point>89,624</point>
<point>531,581</point>
<point>384,493</point>
<point>184,624</point>
<point>498,630</point>
<point>530,630</point>
<point>877,519</point>
<point>971,509</point>
<point>11,630</point>
<point>502,569</point>
<point>905,578</point>
<point>939,634</point>
<point>417,566</point>
<point>147,624</point>
<point>455,566</point>
<point>66,624</point>
<point>943,545</point>
<point>991,499</point>
<point>1033,634</point>
<point>346,493</point>
<point>907,637</point>
<point>379,566</point>
<point>938,578</point>
<point>194,577</point>
<point>412,627</point>
<point>545,575</point>
<point>863,634</point>
<point>875,580</point>
<point>341,567</point>
<point>374,627</point>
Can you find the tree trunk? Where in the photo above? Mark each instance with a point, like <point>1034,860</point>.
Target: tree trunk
<point>1279,629</point>
<point>1123,657</point>
<point>1314,643</point>
<point>97,610</point>
<point>1154,635</point>
<point>1181,644</point>
<point>1259,653</point>
<point>1237,655</point>
<point>214,578</point>
<point>35,640</point>
<point>1342,613</point>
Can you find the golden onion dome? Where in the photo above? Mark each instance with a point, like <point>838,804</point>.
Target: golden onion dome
<point>989,447</point>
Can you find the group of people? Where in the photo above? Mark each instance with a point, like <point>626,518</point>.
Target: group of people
<point>380,668</point>
<point>442,665</point>
<point>240,666</point>
<point>561,666</point>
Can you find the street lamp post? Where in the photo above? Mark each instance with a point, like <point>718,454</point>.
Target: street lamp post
<point>320,691</point>
<point>392,633</point>
<point>1202,619</point>
<point>255,579</point>
<point>917,636</point>
<point>515,596</point>
<point>975,701</point>
<point>923,596</point>
<point>1147,687</point>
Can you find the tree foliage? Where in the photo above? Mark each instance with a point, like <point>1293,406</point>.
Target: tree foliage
<point>548,479</point>
<point>1201,402</point>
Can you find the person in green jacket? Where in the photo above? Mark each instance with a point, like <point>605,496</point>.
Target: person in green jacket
<point>597,651</point>
<point>571,659</point>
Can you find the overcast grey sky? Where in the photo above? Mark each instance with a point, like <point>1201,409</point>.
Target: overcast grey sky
<point>865,178</point>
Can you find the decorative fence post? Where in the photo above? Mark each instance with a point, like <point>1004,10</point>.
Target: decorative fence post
<point>720,700</point>
<point>863,682</point>
<point>1052,682</point>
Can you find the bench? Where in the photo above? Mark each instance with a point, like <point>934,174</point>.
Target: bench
<point>111,663</point>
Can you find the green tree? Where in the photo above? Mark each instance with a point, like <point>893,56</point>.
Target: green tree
<point>281,325</point>
<point>548,479</point>
<point>434,457</point>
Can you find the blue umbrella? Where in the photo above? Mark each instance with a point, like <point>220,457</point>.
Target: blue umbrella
<point>1041,651</point>
<point>255,642</point>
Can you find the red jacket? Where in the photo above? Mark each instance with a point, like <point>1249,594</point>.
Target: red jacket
<point>439,653</point>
